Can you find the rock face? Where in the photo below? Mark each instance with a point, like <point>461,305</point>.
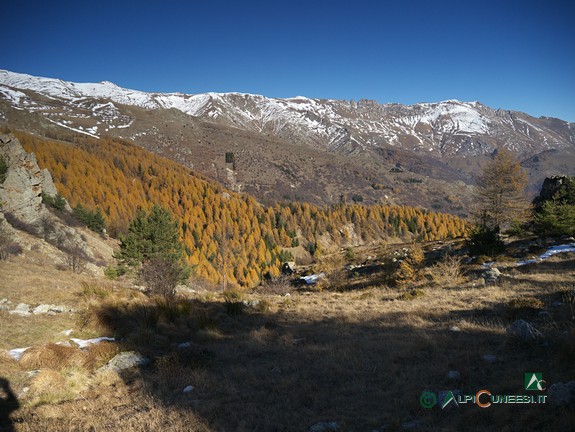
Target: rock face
<point>21,192</point>
<point>555,187</point>
<point>21,198</point>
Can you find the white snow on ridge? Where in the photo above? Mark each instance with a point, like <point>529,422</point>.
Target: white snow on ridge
<point>13,95</point>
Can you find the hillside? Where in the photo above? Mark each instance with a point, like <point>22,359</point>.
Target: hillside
<point>118,177</point>
<point>320,151</point>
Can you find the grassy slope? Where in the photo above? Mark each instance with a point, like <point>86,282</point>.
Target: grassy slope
<point>358,357</point>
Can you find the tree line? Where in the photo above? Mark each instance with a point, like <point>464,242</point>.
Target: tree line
<point>226,236</point>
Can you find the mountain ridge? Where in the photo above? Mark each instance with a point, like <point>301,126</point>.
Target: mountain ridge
<point>439,142</point>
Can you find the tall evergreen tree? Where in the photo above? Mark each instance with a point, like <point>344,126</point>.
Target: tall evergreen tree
<point>151,235</point>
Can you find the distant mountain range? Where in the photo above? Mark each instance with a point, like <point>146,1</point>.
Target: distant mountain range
<point>318,150</point>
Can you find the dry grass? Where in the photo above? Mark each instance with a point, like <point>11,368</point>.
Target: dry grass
<point>358,357</point>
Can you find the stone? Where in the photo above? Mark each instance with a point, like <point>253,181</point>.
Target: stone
<point>251,303</point>
<point>524,331</point>
<point>453,374</point>
<point>22,309</point>
<point>562,394</point>
<point>125,360</point>
<point>42,309</point>
<point>454,329</point>
<point>491,275</point>
<point>184,345</point>
<point>188,389</point>
<point>323,427</point>
<point>489,358</point>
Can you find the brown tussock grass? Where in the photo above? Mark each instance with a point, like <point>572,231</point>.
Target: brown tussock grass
<point>52,356</point>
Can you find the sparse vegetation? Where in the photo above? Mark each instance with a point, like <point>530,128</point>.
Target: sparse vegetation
<point>3,169</point>
<point>57,202</point>
<point>92,219</point>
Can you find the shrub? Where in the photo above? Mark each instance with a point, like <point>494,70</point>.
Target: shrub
<point>484,240</point>
<point>76,259</point>
<point>234,301</point>
<point>555,219</point>
<point>114,272</point>
<point>8,247</point>
<point>92,219</point>
<point>94,290</point>
<point>3,169</point>
<point>447,272</point>
<point>56,202</point>
<point>160,276</point>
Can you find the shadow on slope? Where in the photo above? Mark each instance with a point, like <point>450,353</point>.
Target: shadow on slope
<point>365,370</point>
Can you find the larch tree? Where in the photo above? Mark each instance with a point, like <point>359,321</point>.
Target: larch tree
<point>501,194</point>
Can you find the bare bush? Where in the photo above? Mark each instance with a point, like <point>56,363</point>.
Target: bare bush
<point>277,286</point>
<point>160,276</point>
<point>447,272</point>
<point>76,259</point>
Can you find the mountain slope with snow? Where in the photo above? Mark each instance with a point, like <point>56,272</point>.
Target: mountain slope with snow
<point>445,141</point>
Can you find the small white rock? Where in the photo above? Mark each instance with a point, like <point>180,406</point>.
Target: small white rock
<point>188,389</point>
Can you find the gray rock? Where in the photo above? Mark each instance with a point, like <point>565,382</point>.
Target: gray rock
<point>22,309</point>
<point>251,303</point>
<point>454,329</point>
<point>489,358</point>
<point>323,427</point>
<point>491,275</point>
<point>184,345</point>
<point>524,331</point>
<point>3,301</point>
<point>188,389</point>
<point>562,394</point>
<point>22,190</point>
<point>125,360</point>
<point>453,374</point>
<point>42,309</point>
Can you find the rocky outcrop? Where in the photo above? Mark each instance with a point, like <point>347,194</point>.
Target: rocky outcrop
<point>22,208</point>
<point>21,192</point>
<point>557,187</point>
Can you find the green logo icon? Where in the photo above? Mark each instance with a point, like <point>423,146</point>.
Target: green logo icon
<point>449,397</point>
<point>534,381</point>
<point>427,399</point>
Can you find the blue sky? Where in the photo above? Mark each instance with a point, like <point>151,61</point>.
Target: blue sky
<point>517,55</point>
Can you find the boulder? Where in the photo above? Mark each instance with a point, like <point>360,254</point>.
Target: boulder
<point>523,330</point>
<point>125,360</point>
<point>22,309</point>
<point>491,275</point>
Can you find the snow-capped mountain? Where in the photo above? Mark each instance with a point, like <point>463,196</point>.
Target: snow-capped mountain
<point>448,127</point>
<point>446,140</point>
